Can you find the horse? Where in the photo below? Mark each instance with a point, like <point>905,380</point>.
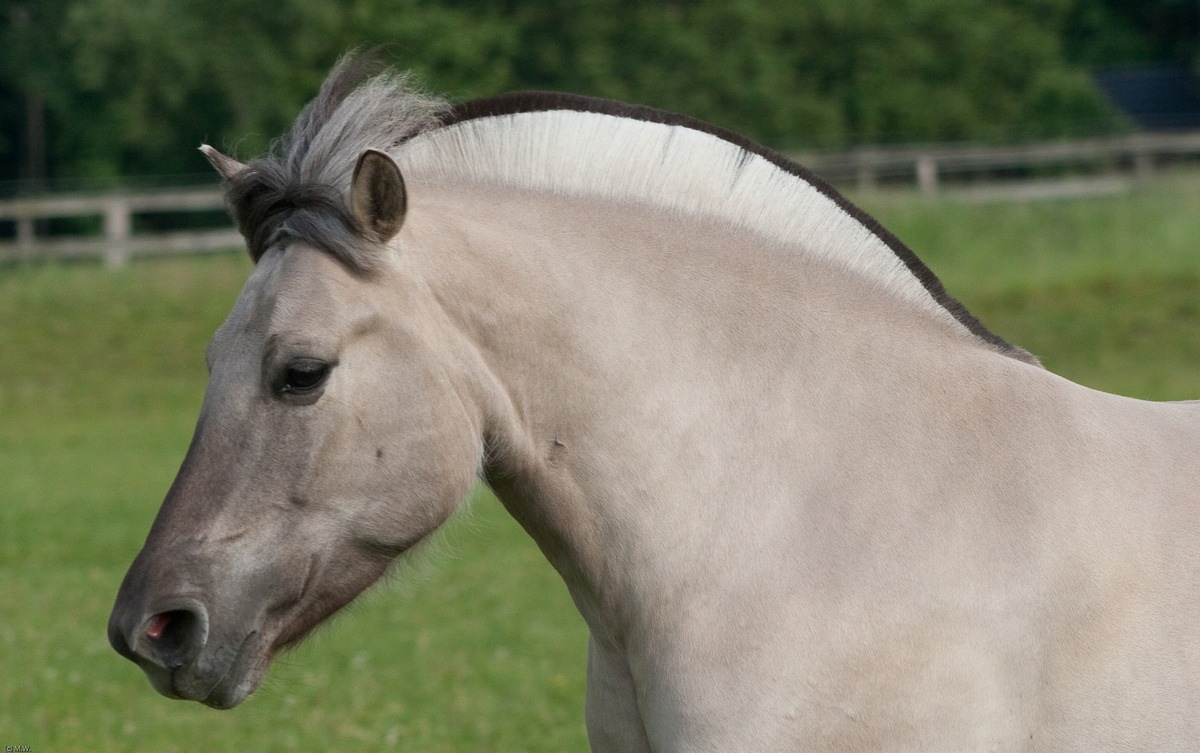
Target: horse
<point>801,497</point>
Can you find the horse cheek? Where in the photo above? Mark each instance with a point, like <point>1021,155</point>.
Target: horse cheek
<point>413,482</point>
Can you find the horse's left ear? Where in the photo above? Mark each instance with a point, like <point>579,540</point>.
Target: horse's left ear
<point>377,197</point>
<point>226,166</point>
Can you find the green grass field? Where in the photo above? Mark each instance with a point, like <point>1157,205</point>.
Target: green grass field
<point>476,646</point>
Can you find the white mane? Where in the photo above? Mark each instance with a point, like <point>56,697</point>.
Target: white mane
<point>572,146</point>
<point>680,169</point>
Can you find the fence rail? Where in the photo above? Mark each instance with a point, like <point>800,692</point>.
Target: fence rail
<point>932,167</point>
<point>1092,166</point>
<point>118,241</point>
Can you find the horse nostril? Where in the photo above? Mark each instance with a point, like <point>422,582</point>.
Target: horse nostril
<point>158,626</point>
<point>173,638</point>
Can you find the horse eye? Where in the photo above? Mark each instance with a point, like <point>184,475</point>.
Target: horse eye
<point>303,375</point>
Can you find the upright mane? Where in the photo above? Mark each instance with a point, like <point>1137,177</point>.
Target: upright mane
<point>572,145</point>
<point>300,189</point>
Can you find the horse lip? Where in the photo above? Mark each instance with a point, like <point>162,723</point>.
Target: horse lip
<point>220,695</point>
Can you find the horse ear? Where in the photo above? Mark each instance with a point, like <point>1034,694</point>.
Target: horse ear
<point>226,166</point>
<point>377,196</point>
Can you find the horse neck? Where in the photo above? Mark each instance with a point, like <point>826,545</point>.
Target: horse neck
<point>615,346</point>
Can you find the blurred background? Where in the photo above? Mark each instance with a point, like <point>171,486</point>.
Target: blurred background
<point>105,90</point>
<point>1040,156</point>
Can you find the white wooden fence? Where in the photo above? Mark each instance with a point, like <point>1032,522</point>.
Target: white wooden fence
<point>118,241</point>
<point>933,167</point>
<point>1103,164</point>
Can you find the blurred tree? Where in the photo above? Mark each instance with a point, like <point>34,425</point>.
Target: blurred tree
<point>1105,33</point>
<point>105,88</point>
<point>160,76</point>
<point>822,72</point>
<point>133,86</point>
<point>31,71</point>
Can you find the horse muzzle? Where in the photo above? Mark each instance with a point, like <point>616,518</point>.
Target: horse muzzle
<point>172,644</point>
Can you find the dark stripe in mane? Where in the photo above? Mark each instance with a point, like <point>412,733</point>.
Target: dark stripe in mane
<point>535,101</point>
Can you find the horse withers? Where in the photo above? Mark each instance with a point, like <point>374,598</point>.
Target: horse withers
<point>801,497</point>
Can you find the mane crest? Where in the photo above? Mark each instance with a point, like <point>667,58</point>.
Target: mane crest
<point>300,189</point>
<point>568,144</point>
<point>866,245</point>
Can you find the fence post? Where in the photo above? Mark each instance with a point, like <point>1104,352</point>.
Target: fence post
<point>1143,158</point>
<point>927,176</point>
<point>865,169</point>
<point>25,236</point>
<point>117,224</point>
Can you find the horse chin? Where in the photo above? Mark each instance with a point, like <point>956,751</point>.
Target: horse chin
<point>243,676</point>
<point>226,696</point>
<point>246,672</point>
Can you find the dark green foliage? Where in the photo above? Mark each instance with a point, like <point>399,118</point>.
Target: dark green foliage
<point>100,89</point>
<point>1106,33</point>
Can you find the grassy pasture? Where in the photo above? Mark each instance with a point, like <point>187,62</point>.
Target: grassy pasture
<point>476,647</point>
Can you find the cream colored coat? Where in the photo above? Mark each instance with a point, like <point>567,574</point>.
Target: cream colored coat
<point>801,503</point>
